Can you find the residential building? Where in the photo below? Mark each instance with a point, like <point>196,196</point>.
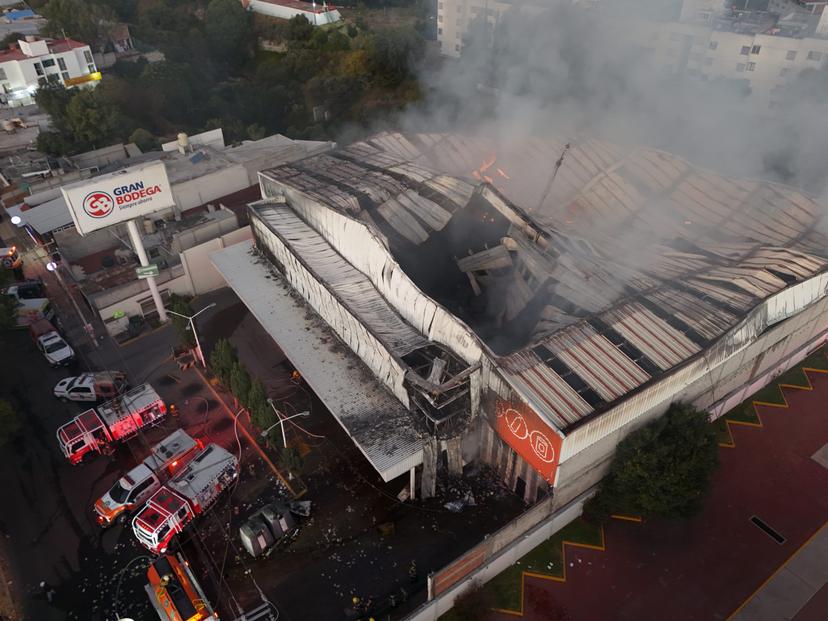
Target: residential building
<point>31,62</point>
<point>317,13</point>
<point>766,49</point>
<point>508,320</point>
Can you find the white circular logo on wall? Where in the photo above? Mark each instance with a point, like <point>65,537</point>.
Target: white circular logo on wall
<point>516,424</point>
<point>98,204</point>
<point>542,446</point>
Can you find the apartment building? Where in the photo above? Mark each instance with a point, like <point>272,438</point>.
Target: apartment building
<point>766,49</point>
<point>32,61</point>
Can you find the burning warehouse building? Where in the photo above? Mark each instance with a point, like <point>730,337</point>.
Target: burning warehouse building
<point>530,309</point>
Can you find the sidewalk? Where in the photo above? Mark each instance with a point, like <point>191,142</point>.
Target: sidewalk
<point>792,586</point>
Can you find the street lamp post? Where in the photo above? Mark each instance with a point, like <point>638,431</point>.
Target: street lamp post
<point>193,328</point>
<point>281,421</point>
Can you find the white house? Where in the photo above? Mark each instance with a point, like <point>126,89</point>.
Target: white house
<point>30,62</point>
<point>318,14</point>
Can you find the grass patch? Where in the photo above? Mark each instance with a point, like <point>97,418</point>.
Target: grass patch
<point>772,393</point>
<point>546,559</point>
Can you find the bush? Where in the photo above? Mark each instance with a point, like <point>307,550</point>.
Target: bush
<point>181,305</point>
<point>261,414</point>
<point>662,470</point>
<point>222,359</point>
<point>240,383</point>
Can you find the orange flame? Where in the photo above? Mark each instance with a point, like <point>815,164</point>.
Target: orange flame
<point>502,174</point>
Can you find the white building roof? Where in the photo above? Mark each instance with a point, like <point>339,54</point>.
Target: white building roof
<point>378,423</point>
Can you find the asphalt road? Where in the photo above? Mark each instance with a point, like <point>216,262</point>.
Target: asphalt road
<point>47,509</point>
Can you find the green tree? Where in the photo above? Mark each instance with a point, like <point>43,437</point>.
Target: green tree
<point>261,414</point>
<point>181,305</point>
<point>76,18</point>
<point>662,470</point>
<point>144,140</point>
<point>93,120</point>
<point>53,99</point>
<point>10,423</point>
<point>240,383</point>
<point>227,26</point>
<point>12,37</point>
<point>393,53</point>
<point>222,359</point>
<point>299,29</point>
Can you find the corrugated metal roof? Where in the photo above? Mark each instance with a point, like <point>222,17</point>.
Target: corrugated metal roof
<point>718,246</point>
<point>350,285</point>
<point>379,424</point>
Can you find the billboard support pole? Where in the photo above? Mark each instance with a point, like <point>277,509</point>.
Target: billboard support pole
<point>138,244</point>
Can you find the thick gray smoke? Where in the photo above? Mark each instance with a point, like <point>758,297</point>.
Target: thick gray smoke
<point>570,71</point>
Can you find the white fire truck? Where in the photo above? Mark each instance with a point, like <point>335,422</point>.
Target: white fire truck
<point>115,421</point>
<point>189,494</point>
<point>134,488</point>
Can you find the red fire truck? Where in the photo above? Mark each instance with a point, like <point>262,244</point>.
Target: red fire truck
<point>115,421</point>
<point>190,493</point>
<point>133,489</point>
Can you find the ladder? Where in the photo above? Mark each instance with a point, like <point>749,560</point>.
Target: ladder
<point>263,612</point>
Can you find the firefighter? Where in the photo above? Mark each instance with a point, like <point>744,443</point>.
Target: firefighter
<point>47,591</point>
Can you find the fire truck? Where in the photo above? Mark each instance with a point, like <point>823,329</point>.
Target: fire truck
<point>174,592</point>
<point>96,431</point>
<point>188,494</point>
<point>134,488</point>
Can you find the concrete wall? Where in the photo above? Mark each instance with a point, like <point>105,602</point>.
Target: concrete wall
<point>194,192</point>
<point>499,551</point>
<point>270,9</point>
<point>200,273</point>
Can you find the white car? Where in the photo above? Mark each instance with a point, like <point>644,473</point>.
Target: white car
<point>100,386</point>
<point>56,351</point>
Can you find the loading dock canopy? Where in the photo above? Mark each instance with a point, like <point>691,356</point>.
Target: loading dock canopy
<point>378,423</point>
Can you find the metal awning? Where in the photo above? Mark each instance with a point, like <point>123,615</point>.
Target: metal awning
<point>380,426</point>
<point>45,217</point>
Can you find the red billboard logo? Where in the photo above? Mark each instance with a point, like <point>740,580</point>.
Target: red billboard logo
<point>535,441</point>
<point>98,204</point>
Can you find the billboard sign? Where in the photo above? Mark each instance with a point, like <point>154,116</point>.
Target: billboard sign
<point>145,271</point>
<point>109,199</point>
<point>531,438</point>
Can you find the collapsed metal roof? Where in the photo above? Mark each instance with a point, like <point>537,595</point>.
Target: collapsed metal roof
<point>587,268</point>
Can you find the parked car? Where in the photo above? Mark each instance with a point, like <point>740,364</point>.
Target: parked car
<point>50,343</point>
<point>99,386</point>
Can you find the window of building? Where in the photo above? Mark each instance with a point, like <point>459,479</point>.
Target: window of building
<point>740,67</point>
<point>708,61</point>
<point>90,68</point>
<point>87,55</point>
<point>440,18</point>
<point>38,68</point>
<point>457,47</point>
<point>791,55</point>
<point>3,74</point>
<point>755,49</point>
<point>48,62</point>
<point>713,45</point>
<point>65,76</point>
<point>751,67</point>
<point>439,31</point>
<point>440,6</point>
<point>62,64</point>
<point>745,50</point>
<point>703,15</point>
<point>784,71</point>
<point>814,55</point>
